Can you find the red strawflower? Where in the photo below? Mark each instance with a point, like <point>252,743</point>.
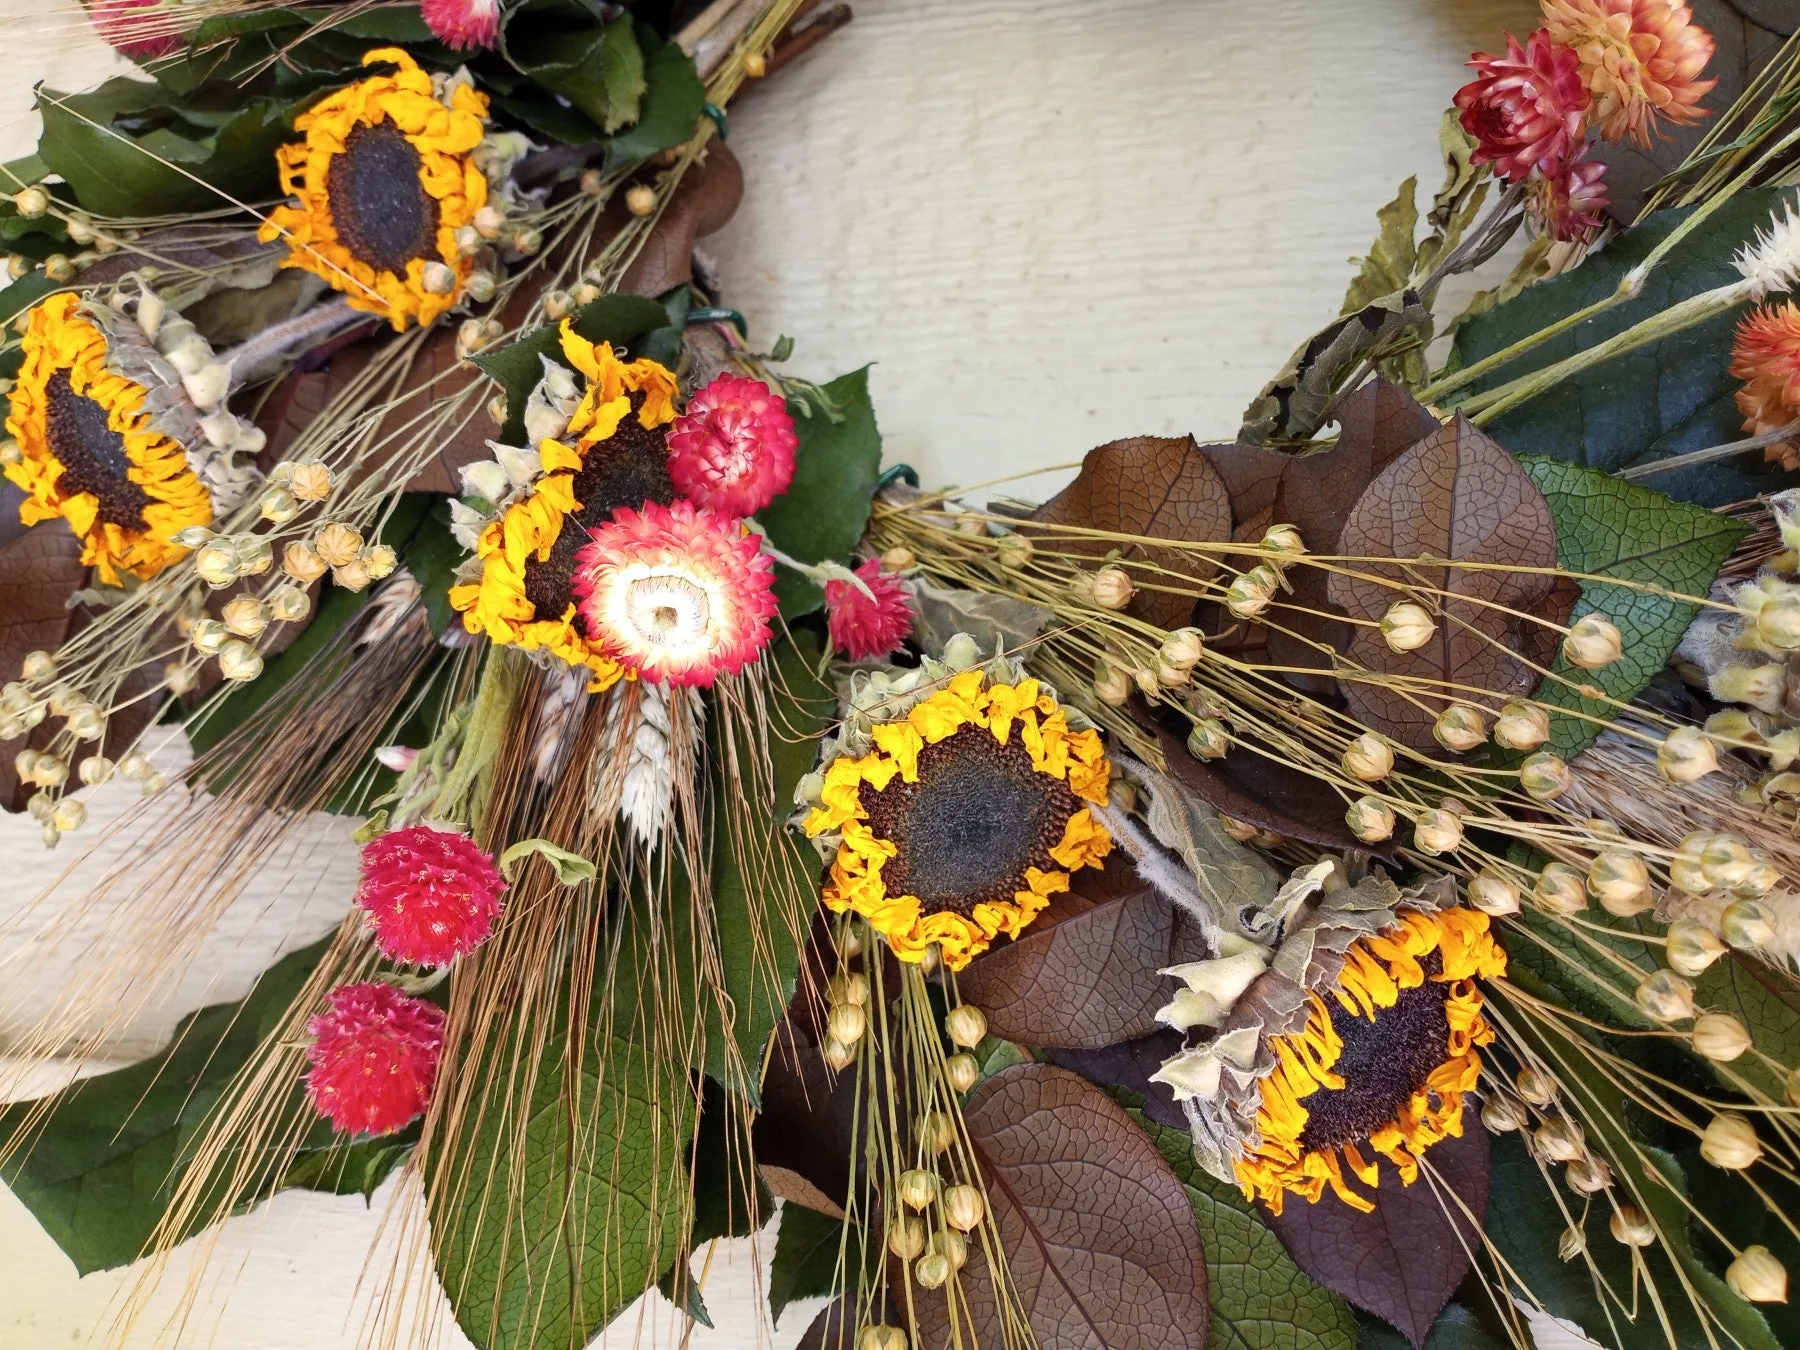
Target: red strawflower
<point>1766,356</point>
<point>1524,109</point>
<point>1569,206</point>
<point>733,449</point>
<point>431,895</point>
<point>865,629</point>
<point>141,29</point>
<point>1641,59</point>
<point>676,593</point>
<point>374,1055</point>
<point>462,24</point>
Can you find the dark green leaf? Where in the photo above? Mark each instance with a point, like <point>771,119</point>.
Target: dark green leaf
<point>1456,1328</point>
<point>599,70</point>
<point>806,1257</point>
<point>1667,399</point>
<point>356,1168</point>
<point>99,1175</point>
<point>1610,528</point>
<point>825,509</point>
<point>673,101</point>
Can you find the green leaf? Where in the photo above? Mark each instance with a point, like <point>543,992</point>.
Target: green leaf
<point>1734,985</point>
<point>674,98</point>
<point>1667,399</point>
<point>598,70</point>
<point>806,1257</point>
<point>1260,1299</point>
<point>571,868</point>
<point>1611,528</point>
<point>618,319</point>
<point>356,1168</point>
<point>1456,1328</point>
<point>823,513</point>
<point>99,1175</point>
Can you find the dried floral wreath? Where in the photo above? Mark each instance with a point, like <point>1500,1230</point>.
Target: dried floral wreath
<point>1333,884</point>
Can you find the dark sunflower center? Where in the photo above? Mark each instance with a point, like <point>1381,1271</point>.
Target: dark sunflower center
<point>1383,1062</point>
<point>628,468</point>
<point>92,455</point>
<point>978,817</point>
<point>379,208</point>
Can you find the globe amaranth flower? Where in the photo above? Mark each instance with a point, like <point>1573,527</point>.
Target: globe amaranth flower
<point>732,449</point>
<point>1766,356</point>
<point>519,589</point>
<point>868,627</point>
<point>1525,109</point>
<point>675,593</point>
<point>1570,204</point>
<point>431,895</point>
<point>1360,1032</point>
<point>1640,59</point>
<point>462,25</point>
<point>374,1054</point>
<point>381,183</point>
<point>140,29</point>
<point>958,817</point>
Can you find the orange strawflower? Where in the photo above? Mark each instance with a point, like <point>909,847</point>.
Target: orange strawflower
<point>1640,59</point>
<point>1766,356</point>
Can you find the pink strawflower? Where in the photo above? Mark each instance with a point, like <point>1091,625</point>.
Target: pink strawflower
<point>733,449</point>
<point>374,1055</point>
<point>865,629</point>
<point>1642,60</point>
<point>676,593</point>
<point>1524,109</point>
<point>462,24</point>
<point>1569,206</point>
<point>431,895</point>
<point>140,29</point>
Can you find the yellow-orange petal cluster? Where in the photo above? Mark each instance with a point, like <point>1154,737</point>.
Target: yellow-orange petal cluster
<point>88,452</point>
<point>1408,997</point>
<point>965,818</point>
<point>1640,59</point>
<point>382,182</point>
<point>610,386</point>
<point>1766,356</point>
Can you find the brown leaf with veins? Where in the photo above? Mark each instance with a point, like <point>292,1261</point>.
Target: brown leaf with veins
<point>1088,981</point>
<point>39,570</point>
<point>804,1133</point>
<point>1252,475</point>
<point>704,203</point>
<point>1403,1261</point>
<point>1101,1248</point>
<point>1161,487</point>
<point>1459,496</point>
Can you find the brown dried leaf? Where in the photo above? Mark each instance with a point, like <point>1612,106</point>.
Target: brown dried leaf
<point>1158,486</point>
<point>39,570</point>
<point>1252,474</point>
<point>1101,1245</point>
<point>804,1133</point>
<point>1088,981</point>
<point>1298,401</point>
<point>1459,496</point>
<point>704,203</point>
<point>1403,1261</point>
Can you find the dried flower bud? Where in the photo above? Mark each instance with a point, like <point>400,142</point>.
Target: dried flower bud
<point>1559,1139</point>
<point>937,1132</point>
<point>1721,1037</point>
<point>1593,642</point>
<point>179,678</point>
<point>1112,686</point>
<point>962,1072</point>
<point>254,554</point>
<point>217,563</point>
<point>86,722</point>
<point>1494,895</point>
<point>310,481</point>
<point>1437,831</point>
<point>1784,749</point>
<point>1284,539</point>
<point>1250,592</point>
<point>1747,924</point>
<point>302,564</point>
<point>152,783</point>
<point>917,1188</point>
<point>1588,1175</point>
<point>1502,1115</point>
<point>1535,1086</point>
<point>1561,889</point>
<point>640,199</point>
<point>1757,1277</point>
<point>1692,946</point>
<point>289,604</point>
<point>379,561</point>
<point>838,1055</point>
<point>965,1025</point>
<point>1763,877</point>
<point>1370,819</point>
<point>208,636</point>
<point>1686,755</point>
<point>1012,550</point>
<point>898,559</point>
<point>1208,739</point>
<point>1732,725</point>
<point>1571,1244</point>
<point>930,1271</point>
<point>31,202</point>
<point>1726,860</point>
<point>94,770</point>
<point>1545,776</point>
<point>1109,588</point>
<point>1630,1227</point>
<point>849,988</point>
<point>1407,626</point>
<point>133,766</point>
<point>50,835</point>
<point>338,545</point>
<point>1522,726</point>
<point>1368,758</point>
<point>246,616</point>
<point>882,1337</point>
<point>38,666</point>
<point>351,576</point>
<point>480,287</point>
<point>906,1236</point>
<point>951,1245</point>
<point>1729,1141</point>
<point>69,814</point>
<point>278,505</point>
<point>963,1207</point>
<point>1621,883</point>
<point>49,771</point>
<point>1665,996</point>
<point>1182,649</point>
<point>846,1023</point>
<point>1778,621</point>
<point>238,660</point>
<point>40,806</point>
<point>1760,687</point>
<point>1460,727</point>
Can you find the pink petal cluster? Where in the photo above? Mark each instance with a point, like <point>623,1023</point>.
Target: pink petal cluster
<point>732,450</point>
<point>1641,59</point>
<point>374,1054</point>
<point>431,895</point>
<point>676,593</point>
<point>867,629</point>
<point>1569,206</point>
<point>1525,109</point>
<point>463,24</point>
<point>140,29</point>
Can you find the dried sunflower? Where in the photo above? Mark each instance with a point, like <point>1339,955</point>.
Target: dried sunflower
<point>1363,1027</point>
<point>615,453</point>
<point>956,816</point>
<point>383,181</point>
<point>103,427</point>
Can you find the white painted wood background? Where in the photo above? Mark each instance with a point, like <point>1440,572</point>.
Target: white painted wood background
<point>1049,223</point>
